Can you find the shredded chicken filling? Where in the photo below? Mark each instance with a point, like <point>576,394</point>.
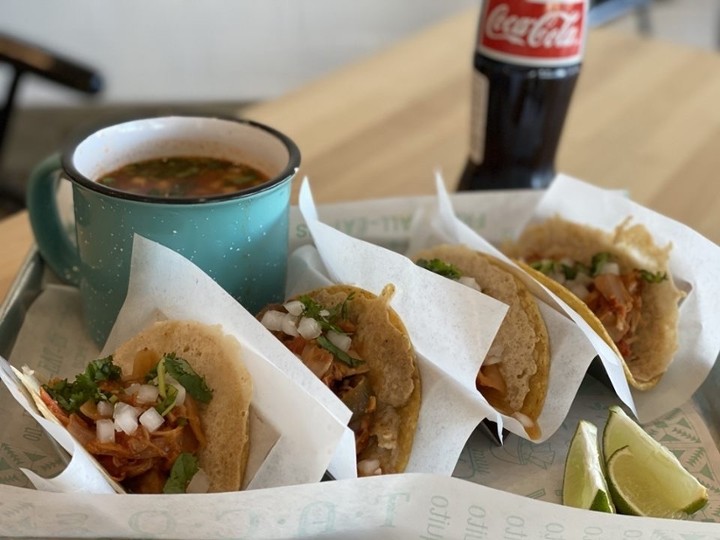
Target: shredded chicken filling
<point>140,461</point>
<point>614,298</point>
<point>375,425</point>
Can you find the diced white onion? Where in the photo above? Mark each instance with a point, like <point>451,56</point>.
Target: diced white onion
<point>494,354</point>
<point>524,419</point>
<point>324,313</point>
<point>125,417</point>
<point>610,268</point>
<point>180,398</point>
<point>583,279</point>
<point>105,408</point>
<point>151,419</point>
<point>134,388</point>
<point>309,328</point>
<point>341,341</point>
<point>469,282</point>
<point>147,393</point>
<point>200,483</point>
<point>578,289</point>
<point>273,320</point>
<point>369,467</point>
<point>294,307</point>
<point>105,430</point>
<point>491,359</point>
<point>289,325</point>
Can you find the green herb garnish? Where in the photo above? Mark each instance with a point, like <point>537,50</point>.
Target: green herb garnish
<point>546,266</point>
<point>168,402</point>
<point>653,277</point>
<point>440,267</point>
<point>184,468</point>
<point>598,261</point>
<point>341,355</point>
<point>326,317</point>
<point>181,371</point>
<point>71,395</point>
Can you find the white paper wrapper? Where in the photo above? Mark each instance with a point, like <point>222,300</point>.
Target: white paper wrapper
<point>395,507</point>
<point>571,352</point>
<point>694,263</point>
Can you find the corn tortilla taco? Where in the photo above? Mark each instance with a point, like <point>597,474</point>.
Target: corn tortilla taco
<point>514,375</point>
<point>357,345</point>
<point>167,412</point>
<point>618,282</point>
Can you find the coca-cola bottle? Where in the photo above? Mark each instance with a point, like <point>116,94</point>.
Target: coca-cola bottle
<point>527,62</point>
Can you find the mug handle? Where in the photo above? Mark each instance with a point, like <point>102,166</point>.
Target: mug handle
<point>53,241</point>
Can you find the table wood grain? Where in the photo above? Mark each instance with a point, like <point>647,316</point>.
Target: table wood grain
<point>644,117</point>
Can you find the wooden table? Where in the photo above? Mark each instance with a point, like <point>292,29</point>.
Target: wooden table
<point>645,117</point>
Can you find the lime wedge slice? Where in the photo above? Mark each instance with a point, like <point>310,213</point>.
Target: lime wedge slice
<point>584,483</point>
<point>644,477</point>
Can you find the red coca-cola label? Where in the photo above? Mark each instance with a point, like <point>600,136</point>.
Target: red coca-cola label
<point>533,32</point>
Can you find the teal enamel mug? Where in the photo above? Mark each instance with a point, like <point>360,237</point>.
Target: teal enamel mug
<point>238,237</point>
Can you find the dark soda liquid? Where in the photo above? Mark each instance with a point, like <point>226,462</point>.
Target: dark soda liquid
<point>526,110</point>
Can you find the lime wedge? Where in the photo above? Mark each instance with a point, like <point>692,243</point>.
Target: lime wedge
<point>644,477</point>
<point>584,482</point>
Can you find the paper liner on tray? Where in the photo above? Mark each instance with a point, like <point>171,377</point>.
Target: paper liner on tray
<point>694,265</point>
<point>293,436</point>
<point>451,331</point>
<point>570,351</point>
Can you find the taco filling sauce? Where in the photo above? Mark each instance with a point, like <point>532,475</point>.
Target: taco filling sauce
<point>614,297</point>
<point>324,336</point>
<point>144,429</point>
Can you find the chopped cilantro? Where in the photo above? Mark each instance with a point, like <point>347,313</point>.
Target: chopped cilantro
<point>71,395</point>
<point>598,261</point>
<point>440,267</point>
<point>341,355</point>
<point>184,468</point>
<point>183,373</point>
<point>653,277</point>
<point>546,266</point>
<point>326,317</point>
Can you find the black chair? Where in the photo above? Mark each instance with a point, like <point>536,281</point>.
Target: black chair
<point>23,58</point>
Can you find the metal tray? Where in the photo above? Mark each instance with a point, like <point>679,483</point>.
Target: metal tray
<point>34,276</point>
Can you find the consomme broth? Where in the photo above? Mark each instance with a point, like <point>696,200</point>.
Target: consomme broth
<point>183,177</point>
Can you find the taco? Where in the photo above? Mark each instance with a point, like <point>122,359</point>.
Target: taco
<point>618,282</point>
<point>514,374</point>
<point>167,412</point>
<point>358,346</point>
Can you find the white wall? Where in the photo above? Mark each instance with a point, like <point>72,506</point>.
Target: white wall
<point>224,50</point>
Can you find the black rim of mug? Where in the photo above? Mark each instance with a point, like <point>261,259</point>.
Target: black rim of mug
<point>75,175</point>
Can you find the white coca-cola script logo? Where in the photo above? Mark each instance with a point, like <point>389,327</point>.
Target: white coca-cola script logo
<point>551,30</point>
